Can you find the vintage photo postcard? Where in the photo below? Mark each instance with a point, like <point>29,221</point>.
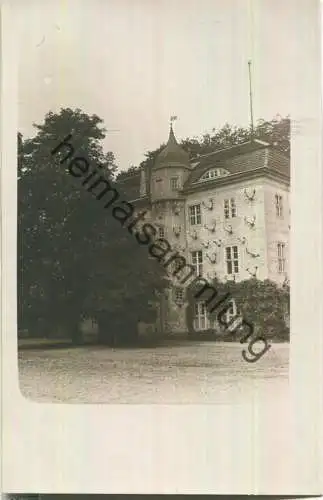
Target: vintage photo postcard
<point>162,246</point>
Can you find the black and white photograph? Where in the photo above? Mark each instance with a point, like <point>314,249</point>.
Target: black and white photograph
<point>162,249</point>
<point>154,203</point>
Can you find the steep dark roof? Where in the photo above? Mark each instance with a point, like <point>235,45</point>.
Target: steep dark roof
<point>172,154</point>
<point>279,161</point>
<point>129,187</point>
<point>241,158</point>
<point>237,159</point>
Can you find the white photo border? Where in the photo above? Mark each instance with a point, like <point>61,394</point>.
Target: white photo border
<point>246,449</point>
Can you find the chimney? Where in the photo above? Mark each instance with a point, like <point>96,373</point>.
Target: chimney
<point>143,185</point>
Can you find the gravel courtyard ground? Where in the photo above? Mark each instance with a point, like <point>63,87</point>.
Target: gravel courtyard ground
<point>205,372</point>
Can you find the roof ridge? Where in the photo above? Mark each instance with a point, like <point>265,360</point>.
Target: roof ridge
<point>129,177</point>
<point>234,146</point>
<point>224,149</point>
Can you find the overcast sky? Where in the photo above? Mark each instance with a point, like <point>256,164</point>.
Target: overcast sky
<point>137,62</point>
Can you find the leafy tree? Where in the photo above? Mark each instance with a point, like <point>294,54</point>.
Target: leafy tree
<point>265,305</point>
<point>276,132</point>
<point>120,299</point>
<point>262,303</point>
<point>70,249</point>
<point>133,170</point>
<point>57,220</point>
<point>151,157</point>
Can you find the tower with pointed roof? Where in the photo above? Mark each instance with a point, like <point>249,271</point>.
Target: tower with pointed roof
<point>170,171</point>
<point>167,179</point>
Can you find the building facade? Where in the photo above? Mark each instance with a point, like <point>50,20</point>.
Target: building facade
<point>227,213</point>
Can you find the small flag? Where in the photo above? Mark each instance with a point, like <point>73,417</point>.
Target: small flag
<point>173,118</point>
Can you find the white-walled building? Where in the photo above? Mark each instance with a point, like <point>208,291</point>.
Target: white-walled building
<point>227,213</point>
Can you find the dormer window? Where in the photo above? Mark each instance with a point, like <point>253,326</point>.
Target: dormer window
<point>213,173</point>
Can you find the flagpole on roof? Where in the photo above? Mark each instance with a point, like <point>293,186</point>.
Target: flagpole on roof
<point>172,119</point>
<point>250,101</point>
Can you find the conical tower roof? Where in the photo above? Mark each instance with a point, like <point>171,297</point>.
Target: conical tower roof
<point>173,155</point>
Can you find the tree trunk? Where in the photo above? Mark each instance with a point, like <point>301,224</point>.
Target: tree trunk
<point>115,331</point>
<point>76,334</point>
<point>105,335</point>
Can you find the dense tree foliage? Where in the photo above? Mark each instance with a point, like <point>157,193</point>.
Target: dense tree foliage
<point>264,304</point>
<point>128,173</point>
<point>74,258</point>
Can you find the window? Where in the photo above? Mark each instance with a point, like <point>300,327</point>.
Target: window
<point>230,312</point>
<point>233,208</point>
<point>230,209</point>
<point>232,259</point>
<point>233,317</point>
<point>200,321</point>
<point>226,209</point>
<point>195,215</point>
<point>174,183</point>
<point>197,262</point>
<point>281,257</point>
<point>279,205</point>
<point>161,232</point>
<point>179,294</point>
<point>213,174</point>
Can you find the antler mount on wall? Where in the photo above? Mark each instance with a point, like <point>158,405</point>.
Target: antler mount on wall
<point>209,204</point>
<point>212,258</point>
<point>250,221</point>
<point>228,229</point>
<point>177,231</point>
<point>252,254</point>
<point>210,228</point>
<point>250,196</point>
<point>218,242</point>
<point>254,272</point>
